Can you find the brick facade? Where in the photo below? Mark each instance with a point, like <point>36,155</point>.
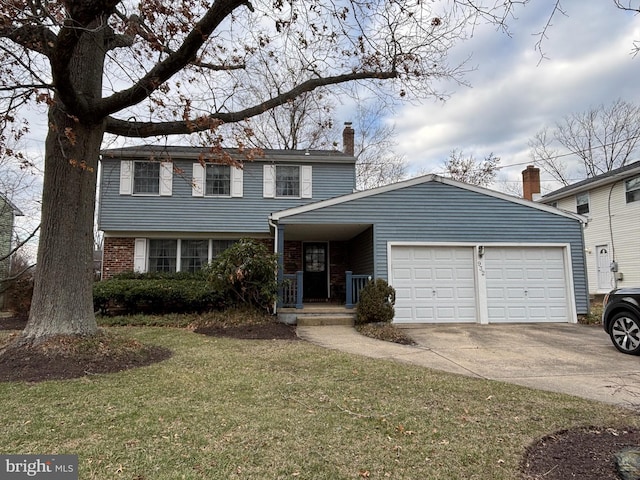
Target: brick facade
<point>117,257</point>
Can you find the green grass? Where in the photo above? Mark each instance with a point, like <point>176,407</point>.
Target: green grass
<point>224,408</point>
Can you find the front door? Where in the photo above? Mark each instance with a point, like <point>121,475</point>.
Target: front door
<point>315,271</point>
<point>603,259</point>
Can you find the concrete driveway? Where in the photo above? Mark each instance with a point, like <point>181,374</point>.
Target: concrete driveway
<point>567,358</point>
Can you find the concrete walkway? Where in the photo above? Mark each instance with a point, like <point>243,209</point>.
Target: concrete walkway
<point>567,358</point>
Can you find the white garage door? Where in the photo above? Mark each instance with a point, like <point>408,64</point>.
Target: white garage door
<point>526,284</point>
<point>517,284</point>
<point>433,284</point>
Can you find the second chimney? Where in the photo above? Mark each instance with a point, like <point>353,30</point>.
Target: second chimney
<point>348,139</point>
<point>531,182</point>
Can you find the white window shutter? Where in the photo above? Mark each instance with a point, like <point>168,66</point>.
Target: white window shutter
<point>306,190</point>
<point>197,182</point>
<point>237,182</point>
<point>166,179</point>
<point>269,182</point>
<point>126,177</point>
<point>140,255</point>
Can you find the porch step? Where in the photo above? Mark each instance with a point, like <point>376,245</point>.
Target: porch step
<point>317,315</point>
<point>319,320</point>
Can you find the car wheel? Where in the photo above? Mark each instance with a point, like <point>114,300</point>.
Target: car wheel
<point>625,333</point>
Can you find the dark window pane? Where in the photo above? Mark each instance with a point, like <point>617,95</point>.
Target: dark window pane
<point>146,177</point>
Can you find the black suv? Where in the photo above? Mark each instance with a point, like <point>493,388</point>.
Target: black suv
<point>621,319</point>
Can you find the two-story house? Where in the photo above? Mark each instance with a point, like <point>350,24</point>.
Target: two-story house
<point>8,212</point>
<point>453,252</point>
<point>611,202</point>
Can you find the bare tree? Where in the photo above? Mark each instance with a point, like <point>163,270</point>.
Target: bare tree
<point>374,142</point>
<point>601,139</point>
<point>627,5</point>
<point>164,67</point>
<point>308,122</point>
<point>469,170</point>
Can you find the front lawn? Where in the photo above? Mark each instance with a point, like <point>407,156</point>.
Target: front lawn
<point>222,408</point>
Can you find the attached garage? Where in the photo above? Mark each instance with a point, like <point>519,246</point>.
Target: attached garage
<point>453,252</point>
<point>480,283</point>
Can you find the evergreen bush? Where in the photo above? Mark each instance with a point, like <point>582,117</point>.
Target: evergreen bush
<point>246,274</point>
<point>376,303</point>
<point>137,293</point>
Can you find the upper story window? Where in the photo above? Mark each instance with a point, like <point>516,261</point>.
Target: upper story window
<point>214,180</point>
<point>632,188</point>
<point>582,203</point>
<point>146,178</point>
<point>287,181</point>
<point>218,180</point>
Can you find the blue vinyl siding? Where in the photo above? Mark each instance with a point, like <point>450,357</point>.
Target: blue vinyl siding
<point>437,212</point>
<point>182,212</point>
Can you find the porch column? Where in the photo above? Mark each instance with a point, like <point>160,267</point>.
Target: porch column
<point>280,253</point>
<point>349,289</point>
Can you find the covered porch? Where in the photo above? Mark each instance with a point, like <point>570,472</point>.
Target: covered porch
<point>325,264</point>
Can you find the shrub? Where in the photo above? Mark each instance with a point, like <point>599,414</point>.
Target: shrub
<point>152,293</point>
<point>19,289</point>
<point>376,303</point>
<point>246,274</point>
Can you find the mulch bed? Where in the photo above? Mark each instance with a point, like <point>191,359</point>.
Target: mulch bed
<point>584,453</point>
<point>262,331</point>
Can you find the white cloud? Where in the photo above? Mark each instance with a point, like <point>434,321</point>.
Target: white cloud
<point>514,93</point>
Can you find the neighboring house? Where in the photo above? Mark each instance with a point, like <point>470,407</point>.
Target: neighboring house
<point>453,252</point>
<point>611,203</point>
<point>8,212</point>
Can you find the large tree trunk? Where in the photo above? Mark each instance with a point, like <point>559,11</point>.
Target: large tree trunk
<point>62,299</point>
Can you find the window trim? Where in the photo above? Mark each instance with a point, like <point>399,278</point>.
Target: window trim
<point>270,179</point>
<point>199,181</point>
<point>127,174</point>
<point>141,262</point>
<point>582,196</point>
<point>634,193</point>
<point>287,181</point>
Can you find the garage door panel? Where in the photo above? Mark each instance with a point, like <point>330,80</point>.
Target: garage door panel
<point>423,293</point>
<point>422,274</point>
<point>444,274</point>
<point>425,314</point>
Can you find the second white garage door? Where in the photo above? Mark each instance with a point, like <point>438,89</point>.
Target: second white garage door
<point>502,284</point>
<point>526,284</point>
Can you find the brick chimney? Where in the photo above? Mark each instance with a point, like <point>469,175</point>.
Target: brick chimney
<point>348,139</point>
<point>531,182</point>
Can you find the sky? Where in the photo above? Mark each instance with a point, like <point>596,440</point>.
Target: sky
<point>514,93</point>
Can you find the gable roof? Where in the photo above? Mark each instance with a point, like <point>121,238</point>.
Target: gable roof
<point>417,181</point>
<point>16,211</point>
<point>607,178</point>
<point>195,153</point>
